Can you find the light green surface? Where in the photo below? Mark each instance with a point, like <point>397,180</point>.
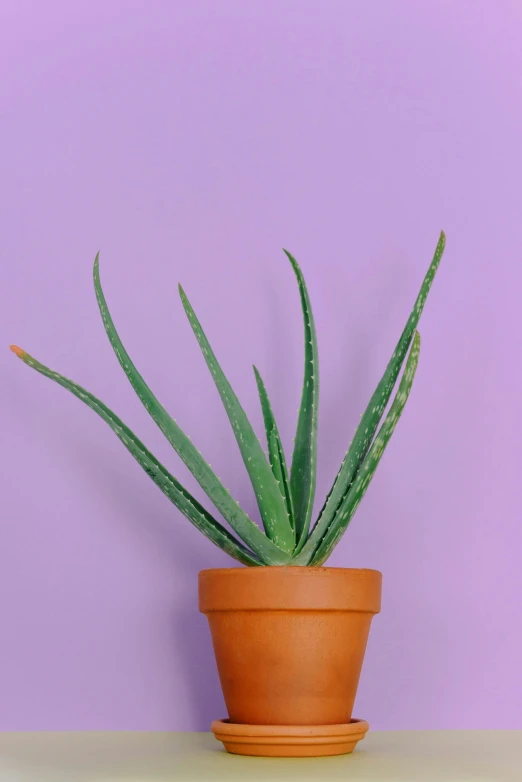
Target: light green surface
<point>394,756</point>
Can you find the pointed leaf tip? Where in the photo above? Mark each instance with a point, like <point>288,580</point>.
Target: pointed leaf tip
<point>17,351</point>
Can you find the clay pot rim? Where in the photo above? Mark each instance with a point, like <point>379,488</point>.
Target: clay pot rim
<point>290,588</point>
<point>288,568</point>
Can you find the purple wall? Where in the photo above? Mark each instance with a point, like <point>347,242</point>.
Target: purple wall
<point>191,141</point>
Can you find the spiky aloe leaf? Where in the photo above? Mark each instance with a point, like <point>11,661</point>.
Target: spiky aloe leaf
<point>178,495</point>
<point>269,498</point>
<point>371,417</point>
<point>304,457</point>
<point>276,454</point>
<point>254,538</point>
<point>356,493</point>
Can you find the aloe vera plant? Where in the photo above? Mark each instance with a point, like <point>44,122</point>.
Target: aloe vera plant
<point>285,499</point>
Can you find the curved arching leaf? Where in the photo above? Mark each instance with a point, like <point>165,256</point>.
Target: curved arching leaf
<point>366,472</point>
<point>176,493</point>
<point>276,454</point>
<point>269,499</point>
<point>370,420</point>
<point>249,532</point>
<point>304,457</point>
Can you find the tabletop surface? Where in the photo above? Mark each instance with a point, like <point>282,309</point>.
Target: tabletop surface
<point>392,756</point>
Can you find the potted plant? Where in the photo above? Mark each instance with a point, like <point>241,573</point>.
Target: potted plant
<point>289,635</point>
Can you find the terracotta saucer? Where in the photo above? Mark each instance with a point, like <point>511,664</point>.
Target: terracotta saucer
<point>289,741</point>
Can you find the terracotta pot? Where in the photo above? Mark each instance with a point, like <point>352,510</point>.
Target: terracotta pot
<point>289,641</point>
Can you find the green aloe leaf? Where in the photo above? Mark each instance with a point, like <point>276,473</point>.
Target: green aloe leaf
<point>304,458</point>
<point>249,532</point>
<point>364,476</point>
<point>268,495</point>
<point>178,495</point>
<point>370,420</point>
<point>276,454</point>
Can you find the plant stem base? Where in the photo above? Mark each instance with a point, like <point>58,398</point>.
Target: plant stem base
<point>289,741</point>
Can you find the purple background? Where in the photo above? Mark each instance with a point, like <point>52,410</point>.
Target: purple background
<point>191,141</point>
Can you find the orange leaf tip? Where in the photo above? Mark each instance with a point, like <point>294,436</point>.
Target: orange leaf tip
<point>18,351</point>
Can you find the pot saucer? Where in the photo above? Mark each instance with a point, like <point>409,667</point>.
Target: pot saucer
<point>291,741</point>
